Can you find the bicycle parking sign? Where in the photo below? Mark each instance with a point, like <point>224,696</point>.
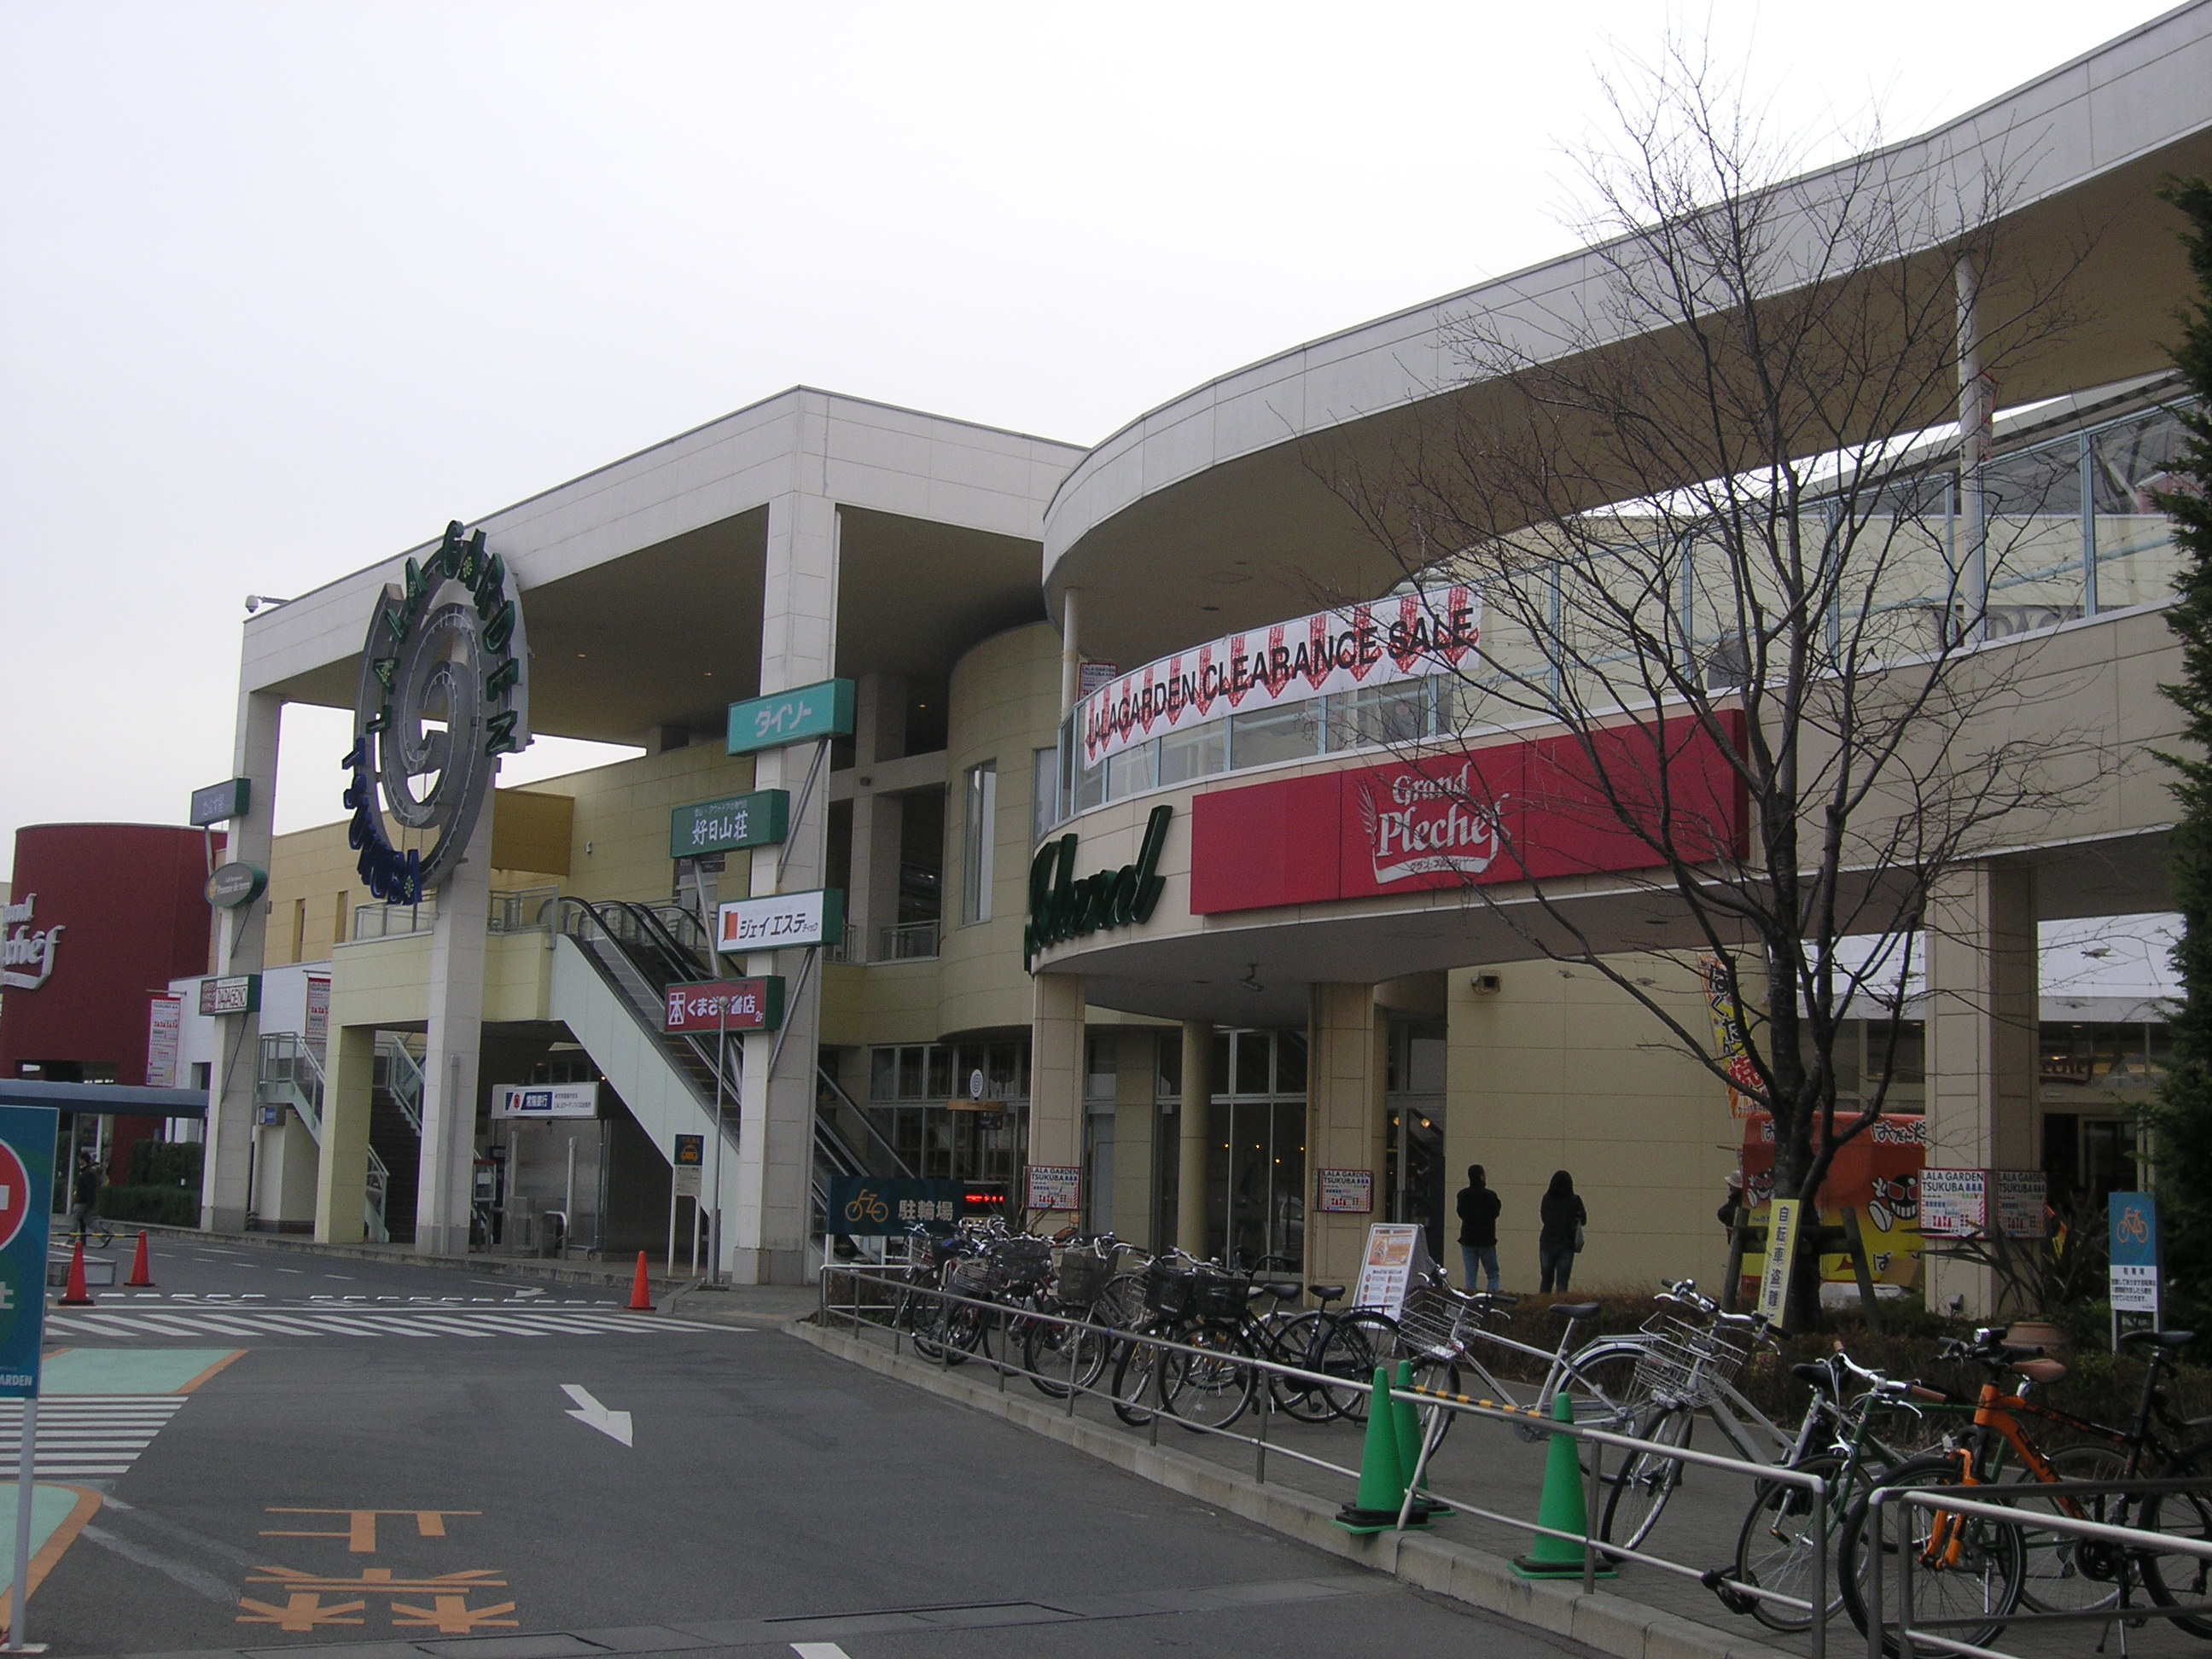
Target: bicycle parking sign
<point>863,1207</point>
<point>2133,1217</point>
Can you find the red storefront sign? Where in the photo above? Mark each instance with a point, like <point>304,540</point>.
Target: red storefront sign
<point>1513,811</point>
<point>724,1005</point>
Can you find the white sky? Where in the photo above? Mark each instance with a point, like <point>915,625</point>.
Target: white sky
<point>283,287</point>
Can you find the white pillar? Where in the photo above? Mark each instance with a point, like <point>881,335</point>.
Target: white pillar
<point>1057,1103</point>
<point>766,1191</point>
<point>1982,1010</point>
<point>1976,419</point>
<point>241,945</point>
<point>458,945</point>
<point>1194,1128</point>
<point>1071,649</point>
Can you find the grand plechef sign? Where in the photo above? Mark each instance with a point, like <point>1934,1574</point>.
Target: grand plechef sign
<point>1512,811</point>
<point>1429,631</point>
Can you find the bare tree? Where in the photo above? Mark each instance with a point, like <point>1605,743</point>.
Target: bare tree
<point>1725,504</point>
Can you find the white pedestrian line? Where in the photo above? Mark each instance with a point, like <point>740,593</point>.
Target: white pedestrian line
<point>327,1319</point>
<point>819,1651</point>
<point>89,1436</point>
<point>592,1415</point>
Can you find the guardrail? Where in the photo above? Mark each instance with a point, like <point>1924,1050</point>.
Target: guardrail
<point>901,1293</point>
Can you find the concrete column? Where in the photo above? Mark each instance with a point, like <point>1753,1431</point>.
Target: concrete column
<point>1977,423</point>
<point>1136,1119</point>
<point>1071,649</point>
<point>1347,1072</point>
<point>878,734</point>
<point>1982,1010</point>
<point>458,947</point>
<point>342,1172</point>
<point>240,948</point>
<point>1194,1114</point>
<point>766,1197</point>
<point>1056,1070</point>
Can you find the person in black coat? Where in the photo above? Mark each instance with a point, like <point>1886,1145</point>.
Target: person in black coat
<point>1478,1226</point>
<point>1564,1219</point>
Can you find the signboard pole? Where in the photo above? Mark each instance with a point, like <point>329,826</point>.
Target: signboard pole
<point>26,1463</point>
<point>721,1067</point>
<point>27,1134</point>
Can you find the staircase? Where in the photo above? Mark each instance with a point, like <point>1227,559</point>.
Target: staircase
<point>290,1073</point>
<point>395,1129</point>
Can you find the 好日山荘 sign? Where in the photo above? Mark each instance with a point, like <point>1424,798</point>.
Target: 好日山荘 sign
<point>824,710</point>
<point>723,1005</point>
<point>778,921</point>
<point>26,1183</point>
<point>545,1100</point>
<point>760,818</point>
<point>1343,1192</point>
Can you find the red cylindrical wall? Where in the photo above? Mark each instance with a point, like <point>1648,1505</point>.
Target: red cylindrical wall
<point>130,903</point>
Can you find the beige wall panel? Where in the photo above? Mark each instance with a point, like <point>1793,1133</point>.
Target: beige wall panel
<point>531,830</point>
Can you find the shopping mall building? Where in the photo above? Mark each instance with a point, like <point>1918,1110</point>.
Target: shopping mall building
<point>1283,1009</point>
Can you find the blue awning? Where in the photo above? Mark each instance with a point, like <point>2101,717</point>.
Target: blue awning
<point>112,1099</point>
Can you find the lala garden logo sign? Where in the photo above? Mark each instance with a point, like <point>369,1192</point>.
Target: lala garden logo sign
<point>1062,907</point>
<point>447,646</point>
<point>27,956</point>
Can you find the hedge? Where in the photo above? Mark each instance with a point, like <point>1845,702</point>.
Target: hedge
<point>169,1207</point>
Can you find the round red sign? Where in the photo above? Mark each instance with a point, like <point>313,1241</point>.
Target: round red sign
<point>15,1194</point>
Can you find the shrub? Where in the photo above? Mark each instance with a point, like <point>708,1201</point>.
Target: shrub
<point>167,1206</point>
<point>166,1164</point>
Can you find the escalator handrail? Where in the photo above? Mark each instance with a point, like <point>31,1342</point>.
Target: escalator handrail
<point>867,1122</point>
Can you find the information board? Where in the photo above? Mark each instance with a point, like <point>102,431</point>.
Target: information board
<point>2132,1218</point>
<point>1397,1254</point>
<point>546,1100</point>
<point>26,1185</point>
<point>233,993</point>
<point>1954,1203</point>
<point>1781,1255</point>
<point>2021,1202</point>
<point>164,1028</point>
<point>1343,1192</point>
<point>1053,1187</point>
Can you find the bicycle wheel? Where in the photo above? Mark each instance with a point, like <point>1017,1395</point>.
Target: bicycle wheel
<point>1437,1376</point>
<point>1135,1376</point>
<point>1601,1379</point>
<point>2061,1573</point>
<point>2177,1581</point>
<point>1774,1547</point>
<point>1352,1346</point>
<point>1121,1303</point>
<point>1213,1388</point>
<point>1963,1566</point>
<point>1638,1491</point>
<point>1292,1343</point>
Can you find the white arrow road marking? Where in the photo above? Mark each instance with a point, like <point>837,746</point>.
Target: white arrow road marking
<point>613,1424</point>
<point>818,1650</point>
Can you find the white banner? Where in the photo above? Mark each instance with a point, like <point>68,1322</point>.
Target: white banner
<point>164,1024</point>
<point>545,1100</point>
<point>1426,632</point>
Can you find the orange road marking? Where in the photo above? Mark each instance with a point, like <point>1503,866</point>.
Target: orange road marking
<point>378,1580</point>
<point>360,1525</point>
<point>230,1359</point>
<point>303,1611</point>
<point>450,1615</point>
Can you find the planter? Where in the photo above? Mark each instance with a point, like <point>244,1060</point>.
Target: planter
<point>2037,1332</point>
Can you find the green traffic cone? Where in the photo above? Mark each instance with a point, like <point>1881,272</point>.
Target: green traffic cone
<point>1562,1508</point>
<point>1382,1479</point>
<point>1409,1446</point>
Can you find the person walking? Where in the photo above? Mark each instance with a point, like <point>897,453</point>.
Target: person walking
<point>1560,1238</point>
<point>1478,1226</point>
<point>84,1194</point>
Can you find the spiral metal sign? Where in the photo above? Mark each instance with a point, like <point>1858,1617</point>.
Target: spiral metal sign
<point>444,692</point>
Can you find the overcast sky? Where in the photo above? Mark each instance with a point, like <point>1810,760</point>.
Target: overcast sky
<point>285,287</point>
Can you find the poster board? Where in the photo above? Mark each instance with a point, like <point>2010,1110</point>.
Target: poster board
<point>1396,1259</point>
<point>1782,1232</point>
<point>1343,1192</point>
<point>1954,1203</point>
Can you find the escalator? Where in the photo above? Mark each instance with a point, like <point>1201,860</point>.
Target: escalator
<point>632,953</point>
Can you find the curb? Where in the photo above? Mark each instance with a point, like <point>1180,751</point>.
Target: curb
<point>1611,1624</point>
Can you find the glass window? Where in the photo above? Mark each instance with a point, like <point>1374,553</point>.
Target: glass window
<point>1132,771</point>
<point>1090,788</point>
<point>941,1083</point>
<point>1253,1053</point>
<point>981,796</point>
<point>1170,1066</point>
<point>1046,800</point>
<point>883,1075</point>
<point>1291,1064</point>
<point>1378,717</point>
<point>1268,735</point>
<point>1196,752</point>
<point>910,1078</point>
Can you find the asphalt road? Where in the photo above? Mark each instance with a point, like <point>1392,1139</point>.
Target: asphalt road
<point>397,1463</point>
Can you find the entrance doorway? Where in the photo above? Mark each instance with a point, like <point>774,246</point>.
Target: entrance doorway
<point>1256,1157</point>
<point>1419,1186</point>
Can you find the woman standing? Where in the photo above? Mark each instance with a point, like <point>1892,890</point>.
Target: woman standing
<point>1564,1219</point>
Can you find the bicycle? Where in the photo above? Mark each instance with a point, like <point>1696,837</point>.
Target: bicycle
<point>1995,1568</point>
<point>1084,1287</point>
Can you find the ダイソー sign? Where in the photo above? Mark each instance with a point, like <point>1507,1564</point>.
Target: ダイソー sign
<point>445,645</point>
<point>724,1005</point>
<point>779,921</point>
<point>546,1100</point>
<point>824,710</point>
<point>219,802</point>
<point>27,1184</point>
<point>1343,1192</point>
<point>1063,908</point>
<point>1512,811</point>
<point>758,819</point>
<point>233,993</point>
<point>1426,632</point>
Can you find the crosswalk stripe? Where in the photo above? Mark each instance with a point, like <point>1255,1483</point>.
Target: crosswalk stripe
<point>459,1321</point>
<point>88,1437</point>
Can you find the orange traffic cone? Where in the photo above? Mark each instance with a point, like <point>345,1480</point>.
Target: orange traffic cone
<point>641,1289</point>
<point>74,1295</point>
<point>141,1269</point>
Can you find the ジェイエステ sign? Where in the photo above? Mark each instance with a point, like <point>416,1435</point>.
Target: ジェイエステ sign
<point>724,1005</point>
<point>1426,632</point>
<point>757,819</point>
<point>780,921</point>
<point>26,1183</point>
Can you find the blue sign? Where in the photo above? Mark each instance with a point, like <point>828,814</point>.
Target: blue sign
<point>2133,1277</point>
<point>26,1188</point>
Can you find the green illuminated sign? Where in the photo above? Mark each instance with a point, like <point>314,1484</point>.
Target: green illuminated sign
<point>758,819</point>
<point>822,710</point>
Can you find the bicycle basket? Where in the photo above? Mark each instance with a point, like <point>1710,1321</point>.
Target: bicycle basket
<point>973,1276</point>
<point>1689,1362</point>
<point>1082,1278</point>
<point>1216,1295</point>
<point>1167,1291</point>
<point>1430,1321</point>
<point>1023,1261</point>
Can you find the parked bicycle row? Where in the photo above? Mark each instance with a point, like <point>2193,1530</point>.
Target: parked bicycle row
<point>1216,1345</point>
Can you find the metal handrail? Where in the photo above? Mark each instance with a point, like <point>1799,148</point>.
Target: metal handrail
<point>401,1067</point>
<point>868,1123</point>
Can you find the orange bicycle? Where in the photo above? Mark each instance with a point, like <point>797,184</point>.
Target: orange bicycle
<point>1967,1567</point>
